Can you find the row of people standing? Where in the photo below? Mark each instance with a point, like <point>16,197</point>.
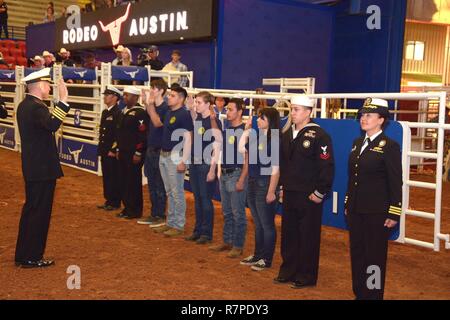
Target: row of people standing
<point>255,165</point>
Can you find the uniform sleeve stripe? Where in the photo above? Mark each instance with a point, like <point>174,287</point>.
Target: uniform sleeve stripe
<point>60,110</point>
<point>58,116</point>
<point>399,211</point>
<point>318,194</point>
<point>395,213</point>
<point>59,113</point>
<point>391,208</point>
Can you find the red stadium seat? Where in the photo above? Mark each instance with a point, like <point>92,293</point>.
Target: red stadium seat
<point>9,59</point>
<point>9,43</point>
<point>15,52</point>
<point>5,51</point>
<point>21,61</point>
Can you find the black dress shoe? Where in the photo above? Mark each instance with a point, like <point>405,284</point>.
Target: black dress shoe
<point>122,215</point>
<point>298,284</point>
<point>128,217</point>
<point>192,237</point>
<point>111,208</point>
<point>203,240</point>
<point>35,264</point>
<point>102,206</point>
<point>281,280</point>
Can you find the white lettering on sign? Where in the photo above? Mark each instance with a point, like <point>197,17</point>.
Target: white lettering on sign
<point>175,21</point>
<point>78,35</point>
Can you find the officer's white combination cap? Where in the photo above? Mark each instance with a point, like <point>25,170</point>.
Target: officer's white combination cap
<point>303,101</point>
<point>132,90</point>
<point>113,90</point>
<point>41,75</point>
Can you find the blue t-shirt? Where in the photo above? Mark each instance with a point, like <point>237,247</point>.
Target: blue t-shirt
<point>231,157</point>
<point>155,135</point>
<point>202,139</point>
<point>174,120</point>
<point>260,155</point>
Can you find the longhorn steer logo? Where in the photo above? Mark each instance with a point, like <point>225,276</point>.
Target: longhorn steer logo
<point>81,73</point>
<point>115,27</point>
<point>76,154</point>
<point>9,75</point>
<point>132,74</point>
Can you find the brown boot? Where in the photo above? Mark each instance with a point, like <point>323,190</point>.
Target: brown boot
<point>235,253</point>
<point>221,247</point>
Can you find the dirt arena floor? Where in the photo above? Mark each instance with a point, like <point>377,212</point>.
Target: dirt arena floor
<point>122,260</point>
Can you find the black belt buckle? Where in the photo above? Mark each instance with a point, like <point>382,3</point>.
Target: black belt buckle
<point>229,170</point>
<point>151,149</point>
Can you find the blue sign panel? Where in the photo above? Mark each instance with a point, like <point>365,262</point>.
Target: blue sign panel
<point>7,137</point>
<point>79,154</point>
<point>129,73</point>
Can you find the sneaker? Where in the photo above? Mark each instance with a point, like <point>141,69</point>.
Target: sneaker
<point>173,232</point>
<point>235,253</point>
<point>148,220</point>
<point>161,229</point>
<point>249,261</point>
<point>203,240</point>
<point>260,265</point>
<point>221,247</point>
<point>159,222</point>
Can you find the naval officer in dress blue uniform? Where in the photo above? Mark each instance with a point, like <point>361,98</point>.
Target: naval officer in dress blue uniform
<point>40,165</point>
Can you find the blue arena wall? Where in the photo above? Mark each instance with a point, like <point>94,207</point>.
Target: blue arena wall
<point>285,38</point>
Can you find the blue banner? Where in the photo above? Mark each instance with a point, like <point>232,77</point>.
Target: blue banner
<point>7,74</point>
<point>79,74</point>
<point>31,70</point>
<point>129,73</point>
<point>79,154</point>
<point>7,137</point>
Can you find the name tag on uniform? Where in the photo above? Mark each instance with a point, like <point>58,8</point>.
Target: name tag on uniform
<point>109,118</point>
<point>377,149</point>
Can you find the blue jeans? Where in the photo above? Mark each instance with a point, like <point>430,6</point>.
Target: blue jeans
<point>233,207</point>
<point>203,193</point>
<point>156,189</point>
<point>174,185</point>
<point>264,218</point>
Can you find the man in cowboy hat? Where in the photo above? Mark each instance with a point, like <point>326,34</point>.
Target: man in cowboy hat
<point>49,59</point>
<point>38,62</point>
<point>65,58</point>
<point>40,165</point>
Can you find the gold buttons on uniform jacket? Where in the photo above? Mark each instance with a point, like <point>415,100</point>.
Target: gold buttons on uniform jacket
<point>356,183</point>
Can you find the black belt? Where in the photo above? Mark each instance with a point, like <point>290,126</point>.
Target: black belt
<point>230,170</point>
<point>153,149</point>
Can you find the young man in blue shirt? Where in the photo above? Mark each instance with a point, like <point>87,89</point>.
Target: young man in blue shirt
<point>174,157</point>
<point>157,109</point>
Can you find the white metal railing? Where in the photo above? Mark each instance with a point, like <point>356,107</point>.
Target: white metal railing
<point>307,85</point>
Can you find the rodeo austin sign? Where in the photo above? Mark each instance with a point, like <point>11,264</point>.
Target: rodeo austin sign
<point>146,22</point>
